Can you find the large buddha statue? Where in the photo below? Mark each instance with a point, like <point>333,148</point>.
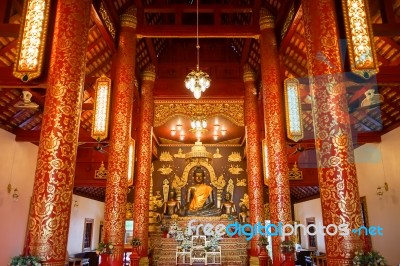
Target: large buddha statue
<point>199,198</point>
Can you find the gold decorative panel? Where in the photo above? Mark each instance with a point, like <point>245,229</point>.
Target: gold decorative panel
<point>32,38</point>
<point>360,40</point>
<point>231,109</point>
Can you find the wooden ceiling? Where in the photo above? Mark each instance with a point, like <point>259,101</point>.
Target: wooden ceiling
<point>229,39</point>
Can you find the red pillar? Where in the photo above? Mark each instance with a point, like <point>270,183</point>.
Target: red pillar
<point>116,189</point>
<point>253,146</point>
<point>142,182</point>
<point>272,89</point>
<point>335,156</point>
<point>55,170</point>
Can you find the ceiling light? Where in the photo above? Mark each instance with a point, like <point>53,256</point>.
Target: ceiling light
<point>173,131</point>
<point>223,131</point>
<point>101,108</point>
<point>294,123</point>
<point>197,81</point>
<point>179,125</point>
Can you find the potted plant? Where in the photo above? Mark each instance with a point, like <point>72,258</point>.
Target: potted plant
<point>287,247</point>
<point>136,244</point>
<point>164,229</point>
<point>25,261</point>
<point>372,258</point>
<point>104,250</point>
<point>213,244</point>
<point>263,241</point>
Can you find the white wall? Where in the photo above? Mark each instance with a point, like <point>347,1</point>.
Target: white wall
<point>377,164</point>
<point>87,209</point>
<point>310,209</point>
<point>17,166</point>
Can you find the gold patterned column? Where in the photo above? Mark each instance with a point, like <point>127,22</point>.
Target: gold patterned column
<point>253,146</point>
<point>55,170</point>
<point>335,156</point>
<point>272,89</point>
<point>142,182</point>
<point>116,189</point>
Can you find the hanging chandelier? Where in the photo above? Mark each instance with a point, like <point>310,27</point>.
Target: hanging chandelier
<point>197,81</point>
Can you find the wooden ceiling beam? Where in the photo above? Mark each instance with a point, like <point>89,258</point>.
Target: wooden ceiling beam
<point>87,106</point>
<point>245,52</point>
<point>8,81</point>
<point>183,8</point>
<point>388,74</point>
<point>358,138</point>
<point>112,11</point>
<point>8,47</point>
<point>34,136</point>
<point>29,120</point>
<point>103,29</point>
<point>9,30</point>
<point>209,31</point>
<point>152,51</point>
<point>291,31</point>
<point>387,12</point>
<point>392,29</point>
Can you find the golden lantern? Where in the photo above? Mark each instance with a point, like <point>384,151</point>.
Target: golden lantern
<point>294,123</point>
<point>360,38</point>
<point>32,39</point>
<point>101,108</point>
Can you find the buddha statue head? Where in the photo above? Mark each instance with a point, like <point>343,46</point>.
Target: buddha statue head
<point>198,176</point>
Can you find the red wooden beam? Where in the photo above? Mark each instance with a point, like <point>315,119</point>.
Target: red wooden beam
<point>183,8</point>
<point>392,29</point>
<point>291,31</point>
<point>388,74</point>
<point>245,51</point>
<point>387,12</point>
<point>8,81</point>
<point>184,31</point>
<point>34,136</point>
<point>360,138</point>
<point>102,28</point>
<point>152,51</point>
<point>9,30</point>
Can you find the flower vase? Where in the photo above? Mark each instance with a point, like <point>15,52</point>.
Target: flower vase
<point>263,256</point>
<point>135,256</point>
<point>288,258</point>
<point>105,259</point>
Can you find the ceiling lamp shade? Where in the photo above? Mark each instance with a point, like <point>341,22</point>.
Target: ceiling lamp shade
<point>294,124</point>
<point>32,38</point>
<point>101,108</point>
<point>197,81</point>
<point>360,39</point>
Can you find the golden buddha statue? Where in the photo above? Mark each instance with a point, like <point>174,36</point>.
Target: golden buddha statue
<point>243,215</point>
<point>199,198</point>
<point>228,207</point>
<point>171,206</point>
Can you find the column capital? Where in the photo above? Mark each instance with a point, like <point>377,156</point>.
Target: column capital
<point>129,18</point>
<point>149,73</point>
<point>267,20</point>
<point>248,73</point>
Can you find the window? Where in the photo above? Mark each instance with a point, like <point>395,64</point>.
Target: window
<point>87,234</point>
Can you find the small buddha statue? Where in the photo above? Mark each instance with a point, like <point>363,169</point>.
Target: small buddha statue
<point>199,198</point>
<point>172,206</point>
<point>243,214</point>
<point>228,207</point>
